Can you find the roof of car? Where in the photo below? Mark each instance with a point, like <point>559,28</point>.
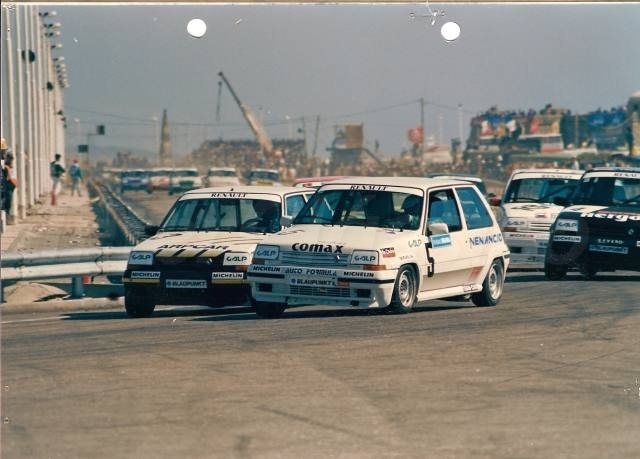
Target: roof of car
<point>470,178</point>
<point>548,170</point>
<point>613,169</point>
<point>416,182</point>
<point>269,189</point>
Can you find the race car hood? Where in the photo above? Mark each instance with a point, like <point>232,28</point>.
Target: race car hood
<point>616,213</point>
<point>343,238</point>
<point>531,210</point>
<point>199,244</point>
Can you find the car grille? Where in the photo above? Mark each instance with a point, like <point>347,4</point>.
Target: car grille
<point>335,292</point>
<point>314,259</point>
<point>539,226</point>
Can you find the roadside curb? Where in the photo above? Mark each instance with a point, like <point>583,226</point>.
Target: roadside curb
<point>61,305</point>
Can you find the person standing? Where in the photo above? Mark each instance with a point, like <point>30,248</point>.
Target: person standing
<point>9,181</point>
<point>75,171</point>
<point>56,171</point>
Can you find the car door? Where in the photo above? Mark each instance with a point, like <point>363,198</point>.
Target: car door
<point>447,251</point>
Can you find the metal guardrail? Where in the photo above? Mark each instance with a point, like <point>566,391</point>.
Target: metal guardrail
<point>74,263</point>
<point>130,224</point>
<point>81,262</point>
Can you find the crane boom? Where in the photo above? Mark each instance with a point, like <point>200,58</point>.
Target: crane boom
<point>256,127</point>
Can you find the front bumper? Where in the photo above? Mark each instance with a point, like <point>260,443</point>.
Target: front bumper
<point>527,248</point>
<point>189,287</point>
<point>296,285</point>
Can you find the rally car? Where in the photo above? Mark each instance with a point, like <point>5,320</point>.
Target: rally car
<point>200,252</point>
<point>527,210</point>
<point>600,231</point>
<point>134,180</point>
<point>383,242</point>
<point>184,179</point>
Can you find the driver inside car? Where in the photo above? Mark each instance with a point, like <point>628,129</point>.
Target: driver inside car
<point>268,215</point>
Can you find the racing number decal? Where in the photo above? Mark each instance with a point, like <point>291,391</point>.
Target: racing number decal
<point>432,264</point>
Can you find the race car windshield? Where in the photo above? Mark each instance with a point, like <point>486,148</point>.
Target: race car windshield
<point>540,189</point>
<point>383,209</point>
<point>608,191</point>
<point>221,215</point>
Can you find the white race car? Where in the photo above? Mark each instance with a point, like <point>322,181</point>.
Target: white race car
<point>527,211</point>
<point>200,252</point>
<point>364,242</point>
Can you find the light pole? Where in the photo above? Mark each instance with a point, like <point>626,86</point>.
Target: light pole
<point>156,134</point>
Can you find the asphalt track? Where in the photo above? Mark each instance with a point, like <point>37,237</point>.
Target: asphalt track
<point>552,371</point>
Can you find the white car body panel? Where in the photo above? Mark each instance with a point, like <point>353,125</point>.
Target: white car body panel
<point>315,263</point>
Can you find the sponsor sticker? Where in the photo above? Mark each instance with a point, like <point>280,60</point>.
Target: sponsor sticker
<point>185,283</point>
<point>359,274</point>
<point>608,249</point>
<point>566,238</point>
<point>321,248</point>
<point>485,240</point>
<point>236,259</point>
<point>141,258</point>
<point>567,225</point>
<point>312,282</point>
<point>440,240</point>
<point>388,252</point>
<point>145,275</point>
<point>226,276</point>
<point>616,217</point>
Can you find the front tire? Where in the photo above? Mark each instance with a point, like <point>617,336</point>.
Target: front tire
<point>492,286</point>
<point>404,291</point>
<point>555,272</point>
<point>138,303</point>
<point>268,310</point>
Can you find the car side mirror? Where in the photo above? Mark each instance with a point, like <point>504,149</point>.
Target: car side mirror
<point>438,228</point>
<point>286,220</point>
<point>151,230</point>
<point>495,201</point>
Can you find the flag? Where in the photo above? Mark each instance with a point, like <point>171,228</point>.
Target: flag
<point>415,135</point>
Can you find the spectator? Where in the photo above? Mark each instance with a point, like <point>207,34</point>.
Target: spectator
<point>56,171</point>
<point>575,164</point>
<point>75,171</point>
<point>9,181</point>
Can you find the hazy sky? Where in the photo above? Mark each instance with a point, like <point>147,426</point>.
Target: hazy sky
<point>366,64</point>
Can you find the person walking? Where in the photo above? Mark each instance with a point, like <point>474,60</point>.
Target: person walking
<point>75,171</point>
<point>56,171</point>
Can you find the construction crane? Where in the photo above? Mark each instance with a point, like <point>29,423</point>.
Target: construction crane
<point>266,146</point>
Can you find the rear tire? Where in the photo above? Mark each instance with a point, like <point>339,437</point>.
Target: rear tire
<point>138,303</point>
<point>492,286</point>
<point>404,291</point>
<point>268,310</point>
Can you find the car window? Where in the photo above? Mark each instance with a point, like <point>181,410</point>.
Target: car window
<point>475,212</point>
<point>443,209</point>
<point>294,204</point>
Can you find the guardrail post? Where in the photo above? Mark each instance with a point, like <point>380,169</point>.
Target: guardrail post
<point>77,287</point>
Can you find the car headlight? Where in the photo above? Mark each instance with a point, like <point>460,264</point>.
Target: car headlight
<point>513,225</point>
<point>140,258</point>
<point>365,257</point>
<point>266,252</point>
<point>566,224</point>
